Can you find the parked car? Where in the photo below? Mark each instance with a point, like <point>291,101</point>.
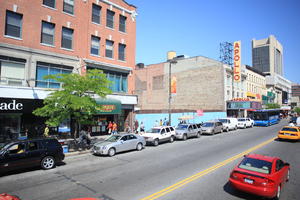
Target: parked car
<point>5,196</point>
<point>184,131</point>
<point>118,143</point>
<point>159,134</point>
<point>245,123</point>
<point>229,123</point>
<point>212,127</point>
<point>260,175</point>
<point>293,120</point>
<point>289,133</point>
<point>45,152</point>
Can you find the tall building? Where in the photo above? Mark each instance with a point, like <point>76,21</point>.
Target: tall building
<point>64,36</point>
<point>267,56</point>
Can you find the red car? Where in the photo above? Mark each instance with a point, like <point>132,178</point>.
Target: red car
<point>5,196</point>
<point>260,175</point>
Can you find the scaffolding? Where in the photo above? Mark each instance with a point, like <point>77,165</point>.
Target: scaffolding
<point>226,49</point>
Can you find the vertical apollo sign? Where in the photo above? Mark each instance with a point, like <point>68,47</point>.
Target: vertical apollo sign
<point>237,61</point>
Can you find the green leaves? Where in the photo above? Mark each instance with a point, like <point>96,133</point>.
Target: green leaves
<point>272,105</point>
<point>75,98</point>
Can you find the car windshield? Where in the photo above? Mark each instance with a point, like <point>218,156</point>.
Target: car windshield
<point>289,129</point>
<point>181,127</point>
<point>154,130</point>
<point>113,138</point>
<point>4,146</point>
<point>256,165</point>
<point>208,124</point>
<point>242,120</point>
<point>223,120</point>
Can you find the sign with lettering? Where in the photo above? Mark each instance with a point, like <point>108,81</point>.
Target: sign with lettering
<point>9,105</point>
<point>106,108</point>
<point>237,61</point>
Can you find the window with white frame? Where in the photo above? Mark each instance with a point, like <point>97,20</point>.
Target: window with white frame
<point>121,52</point>
<point>109,49</point>
<point>95,45</point>
<point>68,6</point>
<point>110,18</point>
<point>12,73</point>
<point>47,35</point>
<point>96,14</point>
<point>67,38</point>
<point>13,24</point>
<point>49,3</point>
<point>44,69</point>
<point>122,23</point>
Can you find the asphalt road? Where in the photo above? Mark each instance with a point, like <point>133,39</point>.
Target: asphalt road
<point>162,172</point>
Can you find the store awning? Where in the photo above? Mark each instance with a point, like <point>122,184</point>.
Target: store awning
<point>108,106</point>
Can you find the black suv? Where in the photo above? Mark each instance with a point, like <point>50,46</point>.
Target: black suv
<point>45,152</point>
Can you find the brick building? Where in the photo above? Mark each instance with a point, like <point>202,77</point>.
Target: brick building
<point>64,36</point>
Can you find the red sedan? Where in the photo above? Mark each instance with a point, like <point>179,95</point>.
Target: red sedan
<point>260,175</point>
<point>5,196</point>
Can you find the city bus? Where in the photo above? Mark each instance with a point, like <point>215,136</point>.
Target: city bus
<point>266,117</point>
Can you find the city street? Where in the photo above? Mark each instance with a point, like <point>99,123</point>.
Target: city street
<point>151,173</point>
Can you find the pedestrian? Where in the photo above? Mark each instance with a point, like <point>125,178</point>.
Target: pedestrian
<point>114,128</point>
<point>46,131</point>
<point>160,122</point>
<point>127,129</point>
<point>110,127</point>
<point>165,122</point>
<point>298,121</point>
<point>142,127</point>
<point>136,126</point>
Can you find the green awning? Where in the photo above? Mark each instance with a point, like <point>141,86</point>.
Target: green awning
<point>108,106</point>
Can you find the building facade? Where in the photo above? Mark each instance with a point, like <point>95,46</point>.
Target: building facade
<point>267,56</point>
<point>295,100</point>
<point>65,36</point>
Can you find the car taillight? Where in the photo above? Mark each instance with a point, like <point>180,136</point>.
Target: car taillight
<point>268,183</point>
<point>234,175</point>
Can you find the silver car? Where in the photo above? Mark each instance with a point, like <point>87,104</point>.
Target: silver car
<point>184,131</point>
<point>212,127</point>
<point>118,143</point>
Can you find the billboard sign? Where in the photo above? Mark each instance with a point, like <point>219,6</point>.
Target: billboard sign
<point>237,61</point>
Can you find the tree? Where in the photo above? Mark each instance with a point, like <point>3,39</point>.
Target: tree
<point>297,110</point>
<point>272,105</point>
<point>75,98</point>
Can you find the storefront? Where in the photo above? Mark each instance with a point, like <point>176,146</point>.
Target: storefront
<point>242,107</point>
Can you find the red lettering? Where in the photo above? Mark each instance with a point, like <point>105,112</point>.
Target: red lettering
<point>236,45</point>
<point>236,77</point>
<point>236,58</point>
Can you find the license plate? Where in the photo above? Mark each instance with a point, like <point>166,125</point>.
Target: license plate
<point>287,134</point>
<point>248,181</point>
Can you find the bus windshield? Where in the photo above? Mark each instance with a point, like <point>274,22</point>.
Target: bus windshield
<point>260,116</point>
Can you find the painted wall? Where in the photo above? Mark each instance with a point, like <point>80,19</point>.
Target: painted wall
<point>149,119</point>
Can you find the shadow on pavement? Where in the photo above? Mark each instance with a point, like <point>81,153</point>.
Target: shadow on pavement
<point>230,190</point>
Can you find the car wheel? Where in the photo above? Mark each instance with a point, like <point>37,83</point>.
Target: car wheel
<point>227,129</point>
<point>111,152</point>
<point>245,126</point>
<point>288,176</point>
<point>48,162</point>
<point>184,137</point>
<point>236,127</point>
<point>198,135</point>
<point>172,139</point>
<point>278,193</point>
<point>155,143</point>
<point>139,146</point>
<point>213,132</point>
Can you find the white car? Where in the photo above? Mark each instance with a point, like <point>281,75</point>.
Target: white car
<point>159,134</point>
<point>245,122</point>
<point>229,123</point>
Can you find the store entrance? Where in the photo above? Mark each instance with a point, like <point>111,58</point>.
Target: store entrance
<point>100,128</point>
<point>9,126</point>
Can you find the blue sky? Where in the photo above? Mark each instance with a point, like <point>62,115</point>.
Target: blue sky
<point>196,27</point>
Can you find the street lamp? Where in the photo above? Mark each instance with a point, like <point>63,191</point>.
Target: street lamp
<point>171,59</point>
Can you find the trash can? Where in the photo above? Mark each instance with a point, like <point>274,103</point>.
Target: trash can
<point>65,148</point>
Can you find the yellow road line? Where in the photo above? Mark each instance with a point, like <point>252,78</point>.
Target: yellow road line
<point>204,172</point>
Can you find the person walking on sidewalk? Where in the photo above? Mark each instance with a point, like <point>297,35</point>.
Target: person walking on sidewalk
<point>110,127</point>
<point>46,131</point>
<point>114,128</point>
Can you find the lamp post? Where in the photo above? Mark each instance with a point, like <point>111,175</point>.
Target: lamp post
<point>171,59</point>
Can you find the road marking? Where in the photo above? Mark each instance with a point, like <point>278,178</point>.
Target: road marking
<point>204,172</point>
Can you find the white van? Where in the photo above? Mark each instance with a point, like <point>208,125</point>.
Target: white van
<point>229,123</point>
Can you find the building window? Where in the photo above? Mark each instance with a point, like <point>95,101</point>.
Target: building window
<point>96,14</point>
<point>44,69</point>
<point>122,23</point>
<point>12,73</point>
<point>68,6</point>
<point>121,52</point>
<point>49,3</point>
<point>67,38</point>
<point>110,18</point>
<point>95,45</point>
<point>13,25</point>
<point>109,49</point>
<point>47,35</point>
<point>118,81</point>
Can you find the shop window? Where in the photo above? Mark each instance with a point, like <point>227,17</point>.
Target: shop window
<point>47,35</point>
<point>44,69</point>
<point>49,3</point>
<point>68,6</point>
<point>118,82</point>
<point>12,73</point>
<point>122,23</point>
<point>110,18</point>
<point>96,14</point>
<point>13,25</point>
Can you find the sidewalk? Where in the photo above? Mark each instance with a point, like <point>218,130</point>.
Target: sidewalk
<point>74,153</point>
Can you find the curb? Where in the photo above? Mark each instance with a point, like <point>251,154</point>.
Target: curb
<point>70,154</point>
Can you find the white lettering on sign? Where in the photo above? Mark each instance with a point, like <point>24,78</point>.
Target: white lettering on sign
<point>11,106</point>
